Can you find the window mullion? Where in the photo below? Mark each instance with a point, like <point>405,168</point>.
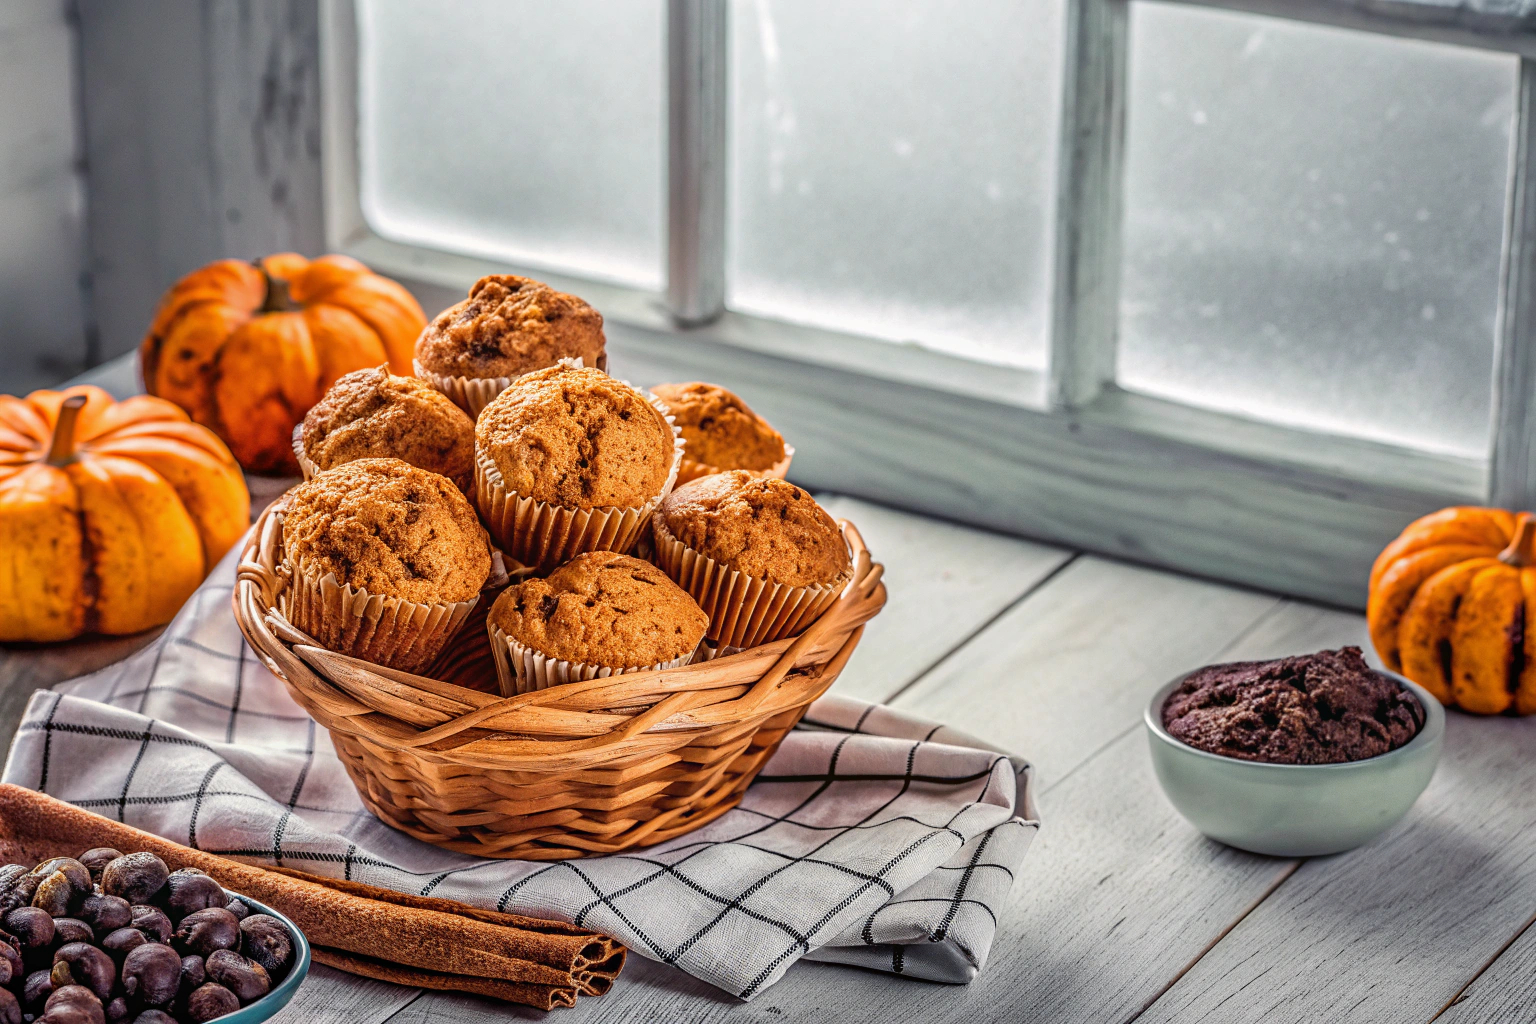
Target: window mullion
<point>1086,293</point>
<point>1512,476</point>
<point>697,75</point>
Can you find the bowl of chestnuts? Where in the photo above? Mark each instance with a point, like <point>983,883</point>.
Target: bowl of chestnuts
<point>115,938</point>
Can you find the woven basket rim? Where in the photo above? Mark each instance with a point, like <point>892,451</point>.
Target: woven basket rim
<point>609,724</point>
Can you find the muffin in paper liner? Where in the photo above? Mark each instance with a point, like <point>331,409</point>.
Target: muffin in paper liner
<point>310,470</point>
<point>475,393</point>
<point>539,534</point>
<point>521,669</point>
<point>388,631</point>
<point>743,611</point>
<point>691,470</point>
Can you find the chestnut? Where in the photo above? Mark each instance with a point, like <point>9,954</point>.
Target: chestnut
<point>19,893</point>
<point>32,926</point>
<point>204,931</point>
<point>36,990</point>
<point>116,1010</point>
<point>95,860</point>
<point>154,1017</point>
<point>209,1001</point>
<point>78,874</point>
<point>80,963</point>
<point>265,940</point>
<point>190,890</point>
<point>247,979</point>
<point>136,877</point>
<point>237,907</point>
<point>10,1008</point>
<point>73,1004</point>
<point>54,894</point>
<point>152,922</point>
<point>71,929</point>
<point>105,913</point>
<point>192,973</point>
<point>122,941</point>
<point>152,974</point>
<point>9,874</point>
<point>11,966</point>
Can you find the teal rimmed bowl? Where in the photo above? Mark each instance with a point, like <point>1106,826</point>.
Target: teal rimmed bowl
<point>268,1005</point>
<point>1295,810</point>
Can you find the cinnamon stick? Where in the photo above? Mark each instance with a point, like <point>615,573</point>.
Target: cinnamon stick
<point>363,929</point>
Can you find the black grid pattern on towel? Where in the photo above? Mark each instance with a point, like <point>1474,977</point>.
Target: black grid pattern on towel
<point>871,838</point>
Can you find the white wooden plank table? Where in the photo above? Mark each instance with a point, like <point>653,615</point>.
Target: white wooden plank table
<point>1122,911</point>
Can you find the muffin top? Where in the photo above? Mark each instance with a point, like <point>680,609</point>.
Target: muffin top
<point>719,428</point>
<point>508,326</point>
<point>375,414</point>
<point>577,438</point>
<point>389,528</point>
<point>764,527</point>
<point>603,608</point>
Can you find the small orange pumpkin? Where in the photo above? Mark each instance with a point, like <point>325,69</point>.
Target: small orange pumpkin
<point>1451,607</point>
<point>111,513</point>
<point>247,348</point>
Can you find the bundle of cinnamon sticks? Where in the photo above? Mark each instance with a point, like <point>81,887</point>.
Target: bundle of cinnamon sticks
<point>362,929</point>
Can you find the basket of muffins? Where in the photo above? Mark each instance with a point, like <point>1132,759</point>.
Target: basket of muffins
<point>542,612</point>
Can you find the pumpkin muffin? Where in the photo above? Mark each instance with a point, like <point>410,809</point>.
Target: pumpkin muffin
<point>376,414</point>
<point>507,327</point>
<point>601,613</point>
<point>571,440</point>
<point>722,432</point>
<point>406,538</point>
<point>761,557</point>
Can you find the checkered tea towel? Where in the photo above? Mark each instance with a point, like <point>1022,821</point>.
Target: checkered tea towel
<point>871,837</point>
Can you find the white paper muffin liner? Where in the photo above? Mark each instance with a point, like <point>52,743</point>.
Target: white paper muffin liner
<point>475,393</point>
<point>743,611</point>
<point>521,669</point>
<point>539,534</point>
<point>691,470</point>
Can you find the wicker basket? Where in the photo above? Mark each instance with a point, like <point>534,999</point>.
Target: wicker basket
<point>577,769</point>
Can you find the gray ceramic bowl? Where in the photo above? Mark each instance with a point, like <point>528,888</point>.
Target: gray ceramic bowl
<point>1295,810</point>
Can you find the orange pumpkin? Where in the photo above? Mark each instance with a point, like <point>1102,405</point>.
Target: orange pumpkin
<point>247,348</point>
<point>111,513</point>
<point>1451,607</point>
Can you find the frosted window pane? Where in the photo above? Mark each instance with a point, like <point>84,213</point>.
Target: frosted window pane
<point>892,166</point>
<point>517,129</point>
<point>1313,222</point>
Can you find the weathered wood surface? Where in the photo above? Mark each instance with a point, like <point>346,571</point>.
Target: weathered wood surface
<point>1506,992</point>
<point>339,998</point>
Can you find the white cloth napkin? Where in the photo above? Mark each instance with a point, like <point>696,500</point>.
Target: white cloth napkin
<point>871,838</point>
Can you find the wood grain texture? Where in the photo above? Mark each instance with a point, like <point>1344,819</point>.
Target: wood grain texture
<point>42,200</point>
<point>201,136</point>
<point>338,998</point>
<point>1394,930</point>
<point>1513,466</point>
<point>945,582</point>
<point>1067,670</point>
<point>1506,992</point>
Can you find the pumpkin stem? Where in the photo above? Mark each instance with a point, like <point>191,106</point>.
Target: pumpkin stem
<point>278,299</point>
<point>61,451</point>
<point>1522,549</point>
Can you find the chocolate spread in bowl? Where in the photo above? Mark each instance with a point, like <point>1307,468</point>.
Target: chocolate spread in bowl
<point>1322,708</point>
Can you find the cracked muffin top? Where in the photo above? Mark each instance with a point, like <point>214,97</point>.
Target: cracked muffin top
<point>1322,708</point>
<point>375,414</point>
<point>508,326</point>
<point>603,608</point>
<point>389,528</point>
<point>577,438</point>
<point>721,431</point>
<point>765,527</point>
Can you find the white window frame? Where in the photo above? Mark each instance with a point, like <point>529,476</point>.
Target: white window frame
<point>1065,455</point>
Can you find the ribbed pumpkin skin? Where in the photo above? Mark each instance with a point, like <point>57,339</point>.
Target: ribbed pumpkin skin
<point>115,539</point>
<point>1453,607</point>
<point>247,349</point>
